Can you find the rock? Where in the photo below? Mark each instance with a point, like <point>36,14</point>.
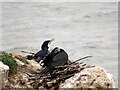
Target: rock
<point>95,77</point>
<point>4,69</point>
<point>15,54</point>
<point>20,63</point>
<point>35,66</point>
<point>27,76</point>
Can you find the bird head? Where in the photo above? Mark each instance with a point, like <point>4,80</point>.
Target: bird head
<point>55,51</point>
<point>45,45</point>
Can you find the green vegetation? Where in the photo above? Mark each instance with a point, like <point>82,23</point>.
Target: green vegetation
<point>9,60</point>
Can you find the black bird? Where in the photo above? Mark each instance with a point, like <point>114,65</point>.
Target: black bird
<point>57,57</point>
<point>42,53</point>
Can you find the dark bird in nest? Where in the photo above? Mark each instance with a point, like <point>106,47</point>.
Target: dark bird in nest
<point>57,57</point>
<point>40,55</point>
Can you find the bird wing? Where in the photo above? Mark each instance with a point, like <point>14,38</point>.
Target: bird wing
<point>40,54</point>
<point>59,59</point>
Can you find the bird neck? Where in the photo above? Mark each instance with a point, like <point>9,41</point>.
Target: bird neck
<point>45,48</point>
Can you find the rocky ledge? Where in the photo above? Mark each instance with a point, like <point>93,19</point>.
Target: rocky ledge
<point>73,75</point>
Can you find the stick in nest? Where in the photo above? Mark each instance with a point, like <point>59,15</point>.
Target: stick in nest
<point>80,59</point>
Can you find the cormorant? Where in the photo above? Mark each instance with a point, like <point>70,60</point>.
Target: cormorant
<point>42,53</point>
<point>57,57</point>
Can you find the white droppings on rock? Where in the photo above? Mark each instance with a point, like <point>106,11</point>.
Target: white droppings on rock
<point>4,69</point>
<point>35,66</point>
<point>95,77</point>
<point>3,66</point>
<point>20,63</point>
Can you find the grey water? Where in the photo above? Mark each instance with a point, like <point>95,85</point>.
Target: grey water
<point>80,28</point>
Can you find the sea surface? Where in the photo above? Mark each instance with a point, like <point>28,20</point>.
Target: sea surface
<point>80,28</point>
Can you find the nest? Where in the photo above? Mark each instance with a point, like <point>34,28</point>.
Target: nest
<point>58,75</point>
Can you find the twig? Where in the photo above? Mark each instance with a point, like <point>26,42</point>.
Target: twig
<point>28,52</point>
<point>65,77</point>
<point>80,59</point>
<point>29,74</point>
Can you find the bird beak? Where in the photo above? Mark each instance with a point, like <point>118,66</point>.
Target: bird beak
<point>51,40</point>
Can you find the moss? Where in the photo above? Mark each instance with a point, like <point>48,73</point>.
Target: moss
<point>9,60</point>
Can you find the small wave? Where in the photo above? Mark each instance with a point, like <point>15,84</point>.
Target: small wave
<point>89,46</point>
<point>99,14</point>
